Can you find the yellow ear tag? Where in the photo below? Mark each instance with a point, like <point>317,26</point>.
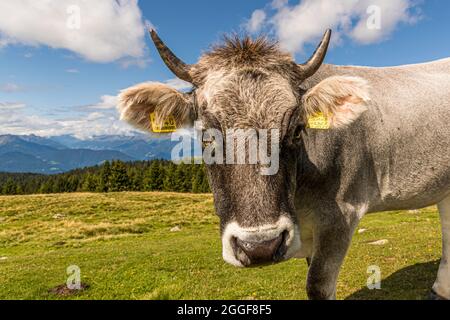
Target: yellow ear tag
<point>319,121</point>
<point>169,125</point>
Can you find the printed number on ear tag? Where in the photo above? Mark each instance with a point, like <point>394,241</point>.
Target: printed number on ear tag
<point>318,121</point>
<point>169,125</point>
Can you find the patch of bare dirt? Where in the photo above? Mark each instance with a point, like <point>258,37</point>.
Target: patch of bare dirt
<point>64,291</point>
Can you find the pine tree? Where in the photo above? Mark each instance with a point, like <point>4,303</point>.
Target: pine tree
<point>61,185</point>
<point>205,183</point>
<point>189,174</point>
<point>9,188</point>
<point>179,177</point>
<point>104,183</point>
<point>19,189</point>
<point>169,183</point>
<point>136,179</point>
<point>90,183</point>
<point>46,187</point>
<point>154,177</point>
<point>119,180</point>
<point>72,184</point>
<point>197,180</point>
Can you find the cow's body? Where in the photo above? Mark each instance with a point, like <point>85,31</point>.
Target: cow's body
<point>396,156</point>
<point>387,148</point>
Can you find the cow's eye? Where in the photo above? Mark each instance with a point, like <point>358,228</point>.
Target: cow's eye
<point>210,145</point>
<point>207,144</point>
<point>298,131</point>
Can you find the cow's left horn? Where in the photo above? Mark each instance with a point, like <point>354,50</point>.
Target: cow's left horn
<point>310,68</point>
<point>178,67</point>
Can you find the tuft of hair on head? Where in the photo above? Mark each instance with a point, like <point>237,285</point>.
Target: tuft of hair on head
<point>245,49</point>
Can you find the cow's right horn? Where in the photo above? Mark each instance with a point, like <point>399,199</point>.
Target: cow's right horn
<point>310,68</point>
<point>178,67</point>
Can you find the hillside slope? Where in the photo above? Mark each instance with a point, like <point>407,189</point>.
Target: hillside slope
<point>38,155</point>
<point>125,249</point>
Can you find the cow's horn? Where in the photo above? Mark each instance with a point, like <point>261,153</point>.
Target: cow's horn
<point>310,68</point>
<point>178,67</point>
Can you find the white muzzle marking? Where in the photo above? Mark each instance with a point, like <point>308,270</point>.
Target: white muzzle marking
<point>260,234</point>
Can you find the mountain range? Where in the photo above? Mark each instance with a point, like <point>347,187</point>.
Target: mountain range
<point>51,155</point>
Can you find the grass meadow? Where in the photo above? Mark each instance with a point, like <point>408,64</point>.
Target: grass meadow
<point>167,246</point>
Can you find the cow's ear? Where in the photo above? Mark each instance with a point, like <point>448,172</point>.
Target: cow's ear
<point>340,99</point>
<point>137,103</point>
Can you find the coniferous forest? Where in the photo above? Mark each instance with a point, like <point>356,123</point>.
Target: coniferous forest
<point>115,176</point>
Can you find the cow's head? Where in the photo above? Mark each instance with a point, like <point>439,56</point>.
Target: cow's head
<point>250,84</point>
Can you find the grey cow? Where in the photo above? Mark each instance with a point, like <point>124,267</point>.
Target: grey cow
<point>387,148</point>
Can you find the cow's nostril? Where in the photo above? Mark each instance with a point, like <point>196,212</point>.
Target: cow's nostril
<point>283,248</point>
<point>249,252</point>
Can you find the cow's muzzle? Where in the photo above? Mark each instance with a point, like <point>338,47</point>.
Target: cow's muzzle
<point>260,252</point>
<point>245,247</point>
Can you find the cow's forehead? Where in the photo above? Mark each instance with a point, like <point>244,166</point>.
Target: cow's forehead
<point>247,98</point>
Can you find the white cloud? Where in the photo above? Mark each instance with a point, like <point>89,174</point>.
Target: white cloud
<point>391,14</point>
<point>306,22</point>
<point>3,42</point>
<point>10,88</point>
<point>95,116</point>
<point>107,102</point>
<point>99,31</point>
<point>135,62</point>
<point>256,21</point>
<point>277,4</point>
<point>17,118</point>
<point>8,106</point>
<point>179,84</point>
<point>73,71</point>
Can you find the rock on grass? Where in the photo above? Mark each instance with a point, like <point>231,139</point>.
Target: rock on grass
<point>175,229</point>
<point>379,242</point>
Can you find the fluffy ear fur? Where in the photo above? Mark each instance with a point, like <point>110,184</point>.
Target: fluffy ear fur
<point>138,102</point>
<point>342,99</point>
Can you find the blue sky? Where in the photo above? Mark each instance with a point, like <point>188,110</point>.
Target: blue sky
<point>49,85</point>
